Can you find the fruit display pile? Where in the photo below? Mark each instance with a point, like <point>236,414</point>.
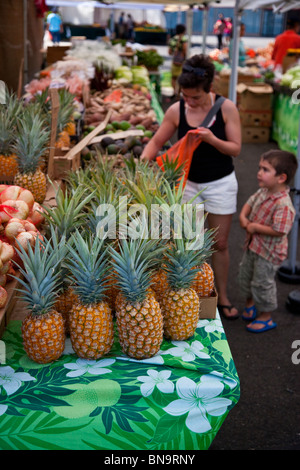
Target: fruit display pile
<point>84,280</point>
<point>21,216</point>
<point>84,274</point>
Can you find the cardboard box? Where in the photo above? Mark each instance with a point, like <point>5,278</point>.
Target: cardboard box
<point>255,97</point>
<point>221,82</point>
<point>255,135</point>
<point>208,307</point>
<point>255,118</point>
<point>56,53</point>
<point>290,59</point>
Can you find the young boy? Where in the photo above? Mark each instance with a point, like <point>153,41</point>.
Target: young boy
<point>267,217</point>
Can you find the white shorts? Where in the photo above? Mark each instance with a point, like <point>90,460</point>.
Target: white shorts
<point>219,197</point>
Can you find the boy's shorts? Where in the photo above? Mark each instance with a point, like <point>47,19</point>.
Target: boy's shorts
<point>219,197</point>
<point>257,281</point>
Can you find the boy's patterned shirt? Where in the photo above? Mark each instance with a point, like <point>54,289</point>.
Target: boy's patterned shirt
<point>276,211</point>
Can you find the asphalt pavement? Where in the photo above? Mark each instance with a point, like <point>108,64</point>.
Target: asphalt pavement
<point>267,416</point>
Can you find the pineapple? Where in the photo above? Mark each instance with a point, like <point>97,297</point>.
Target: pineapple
<point>9,112</point>
<point>204,281</point>
<point>65,125</point>
<point>179,302</point>
<point>63,219</point>
<point>64,120</point>
<point>159,282</point>
<point>138,314</point>
<point>91,321</point>
<point>43,328</point>
<point>30,144</point>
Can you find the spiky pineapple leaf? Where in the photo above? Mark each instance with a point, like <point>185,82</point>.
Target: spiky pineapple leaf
<point>41,283</point>
<point>88,267</point>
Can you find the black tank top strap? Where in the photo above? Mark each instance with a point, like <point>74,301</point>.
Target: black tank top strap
<point>208,164</point>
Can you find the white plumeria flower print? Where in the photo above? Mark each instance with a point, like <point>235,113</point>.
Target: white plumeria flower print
<point>155,360</point>
<point>11,381</point>
<point>198,400</point>
<point>158,379</point>
<point>186,351</point>
<point>3,409</point>
<point>211,325</point>
<point>81,366</point>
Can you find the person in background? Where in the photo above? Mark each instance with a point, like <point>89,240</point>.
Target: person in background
<point>289,39</point>
<point>219,28</point>
<point>242,49</point>
<point>130,26</point>
<point>212,169</point>
<point>267,217</point>
<point>121,26</point>
<point>54,26</point>
<point>228,30</point>
<point>178,51</point>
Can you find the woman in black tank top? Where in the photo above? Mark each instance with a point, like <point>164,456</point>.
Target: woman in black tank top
<point>211,162</point>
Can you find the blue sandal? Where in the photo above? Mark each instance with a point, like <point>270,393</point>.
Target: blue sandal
<point>267,326</point>
<point>249,310</point>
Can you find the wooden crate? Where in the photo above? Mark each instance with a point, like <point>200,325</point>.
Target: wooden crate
<point>63,163</point>
<point>56,53</point>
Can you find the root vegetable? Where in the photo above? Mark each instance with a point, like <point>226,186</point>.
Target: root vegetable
<point>6,267</point>
<point>17,193</point>
<point>36,215</point>
<point>3,280</point>
<point>147,122</point>
<point>13,228</point>
<point>3,297</point>
<point>13,208</point>
<point>27,196</point>
<point>10,193</point>
<point>10,274</point>
<point>23,239</point>
<point>6,253</point>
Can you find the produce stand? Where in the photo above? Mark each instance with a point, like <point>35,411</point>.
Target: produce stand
<point>176,400</point>
<point>151,37</point>
<point>286,115</point>
<point>88,31</point>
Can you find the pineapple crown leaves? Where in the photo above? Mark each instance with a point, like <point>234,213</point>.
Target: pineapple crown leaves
<point>88,267</point>
<point>133,264</point>
<point>179,265</point>
<point>41,283</point>
<point>12,106</point>
<point>7,135</point>
<point>31,140</point>
<point>173,171</point>
<point>9,113</point>
<point>66,108</point>
<point>69,211</point>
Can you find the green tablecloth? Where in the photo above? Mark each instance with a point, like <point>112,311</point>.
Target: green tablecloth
<point>176,400</point>
<point>286,115</point>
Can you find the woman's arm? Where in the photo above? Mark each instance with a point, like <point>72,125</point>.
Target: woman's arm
<point>163,134</point>
<point>232,128</point>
